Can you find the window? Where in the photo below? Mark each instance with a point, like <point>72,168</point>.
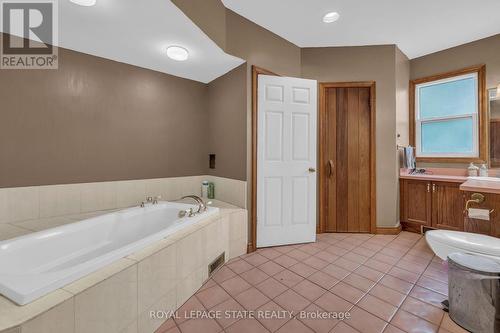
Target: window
<point>447,116</point>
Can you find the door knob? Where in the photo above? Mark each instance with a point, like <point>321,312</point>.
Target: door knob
<point>312,170</point>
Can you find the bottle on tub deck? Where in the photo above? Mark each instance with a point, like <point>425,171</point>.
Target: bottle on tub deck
<point>211,190</point>
<point>483,171</point>
<point>472,170</point>
<point>204,189</point>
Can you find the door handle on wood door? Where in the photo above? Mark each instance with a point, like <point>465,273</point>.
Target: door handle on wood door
<point>330,168</point>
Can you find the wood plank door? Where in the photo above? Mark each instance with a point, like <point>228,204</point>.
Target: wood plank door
<point>447,206</point>
<point>346,159</point>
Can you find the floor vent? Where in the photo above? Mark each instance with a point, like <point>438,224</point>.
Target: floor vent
<point>219,261</point>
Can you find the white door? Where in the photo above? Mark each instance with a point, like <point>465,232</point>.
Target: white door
<point>286,160</point>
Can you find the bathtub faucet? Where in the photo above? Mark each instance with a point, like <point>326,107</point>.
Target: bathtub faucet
<point>151,200</point>
<point>201,206</point>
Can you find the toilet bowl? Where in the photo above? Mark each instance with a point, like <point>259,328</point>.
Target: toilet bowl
<point>444,242</point>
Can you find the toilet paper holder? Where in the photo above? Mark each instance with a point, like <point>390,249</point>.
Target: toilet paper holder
<point>476,198</point>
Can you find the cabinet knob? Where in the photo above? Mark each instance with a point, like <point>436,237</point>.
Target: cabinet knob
<point>428,187</point>
<point>433,187</point>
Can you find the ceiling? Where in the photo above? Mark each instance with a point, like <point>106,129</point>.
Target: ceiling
<point>418,27</point>
<point>137,33</point>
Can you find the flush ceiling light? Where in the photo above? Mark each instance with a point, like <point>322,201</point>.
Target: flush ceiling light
<point>86,3</point>
<point>177,53</point>
<point>331,17</point>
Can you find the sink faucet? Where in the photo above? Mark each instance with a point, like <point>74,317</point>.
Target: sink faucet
<point>201,206</point>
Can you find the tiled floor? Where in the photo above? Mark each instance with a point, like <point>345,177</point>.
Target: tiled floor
<point>387,283</point>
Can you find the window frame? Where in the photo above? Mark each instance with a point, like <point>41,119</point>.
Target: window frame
<point>480,118</point>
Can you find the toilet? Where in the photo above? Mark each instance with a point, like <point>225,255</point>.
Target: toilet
<point>445,242</point>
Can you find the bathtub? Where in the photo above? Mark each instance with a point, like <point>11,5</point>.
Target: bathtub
<point>36,264</point>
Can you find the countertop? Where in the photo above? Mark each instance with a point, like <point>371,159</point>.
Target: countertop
<point>468,185</point>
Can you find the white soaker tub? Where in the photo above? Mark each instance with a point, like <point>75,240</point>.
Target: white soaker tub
<point>39,263</point>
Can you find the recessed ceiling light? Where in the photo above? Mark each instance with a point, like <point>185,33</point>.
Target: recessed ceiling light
<point>331,17</point>
<point>86,3</point>
<point>177,53</point>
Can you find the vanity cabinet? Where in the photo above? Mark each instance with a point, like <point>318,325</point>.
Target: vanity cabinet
<point>491,227</point>
<point>431,204</point>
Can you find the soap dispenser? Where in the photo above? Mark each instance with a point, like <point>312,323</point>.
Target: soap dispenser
<point>483,171</point>
<point>472,170</point>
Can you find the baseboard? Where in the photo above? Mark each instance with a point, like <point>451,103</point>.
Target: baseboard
<point>388,230</point>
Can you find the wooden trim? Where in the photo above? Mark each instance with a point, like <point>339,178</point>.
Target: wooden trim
<point>482,116</point>
<point>389,230</point>
<point>322,143</point>
<point>252,242</point>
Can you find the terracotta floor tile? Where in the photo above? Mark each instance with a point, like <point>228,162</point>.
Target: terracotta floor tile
<point>269,320</point>
<point>365,322</point>
<point>338,251</point>
<point>226,308</point>
<point>298,255</point>
<point>404,275</point>
<point>385,259</point>
<point>252,298</point>
<point>315,262</point>
<point>302,269</point>
<point>396,284</point>
<point>359,282</point>
<point>235,285</point>
<point>288,278</point>
<point>388,295</point>
<point>392,329</point>
<point>369,273</point>
<point>337,272</point>
<point>239,266</point>
<point>285,261</point>
<point>292,301</point>
<point>354,257</point>
<point>346,264</point>
<point>326,256</point>
<point>208,284</point>
<point>192,304</point>
<point>200,325</point>
<point>378,265</point>
<point>423,310</point>
<point>412,324</point>
<point>433,285</point>
<point>255,259</point>
<point>212,296</point>
<point>318,324</point>
<point>223,274</point>
<point>347,292</point>
<point>254,276</point>
<point>271,268</point>
<point>449,325</point>
<point>364,251</point>
<point>333,303</point>
<point>438,275</point>
<point>343,328</point>
<point>377,307</point>
<point>166,326</point>
<point>428,296</point>
<point>295,326</point>
<point>269,253</point>
<point>309,290</point>
<point>284,249</point>
<point>246,326</point>
<point>311,249</point>
<point>323,280</point>
<point>271,288</point>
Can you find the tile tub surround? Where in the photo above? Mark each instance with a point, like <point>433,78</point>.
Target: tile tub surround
<point>388,284</point>
<point>27,209</point>
<point>118,298</point>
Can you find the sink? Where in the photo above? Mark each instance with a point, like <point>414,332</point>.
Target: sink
<point>487,179</point>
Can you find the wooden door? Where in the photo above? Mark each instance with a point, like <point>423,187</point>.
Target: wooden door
<point>416,196</point>
<point>447,206</point>
<point>346,159</point>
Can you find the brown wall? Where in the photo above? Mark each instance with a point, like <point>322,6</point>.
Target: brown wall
<point>227,126</point>
<point>96,120</point>
<point>367,63</point>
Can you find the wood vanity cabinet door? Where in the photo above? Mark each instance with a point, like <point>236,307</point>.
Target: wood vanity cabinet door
<point>416,204</point>
<point>447,206</point>
<point>491,227</point>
